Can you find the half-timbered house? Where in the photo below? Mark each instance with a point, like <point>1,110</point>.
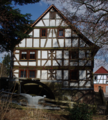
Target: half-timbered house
<point>56,51</point>
<point>101,79</point>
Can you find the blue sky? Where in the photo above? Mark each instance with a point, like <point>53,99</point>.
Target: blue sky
<point>34,9</point>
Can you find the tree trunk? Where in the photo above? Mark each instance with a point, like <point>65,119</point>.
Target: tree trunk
<point>11,66</point>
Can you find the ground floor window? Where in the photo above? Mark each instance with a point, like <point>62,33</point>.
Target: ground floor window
<point>23,73</point>
<point>32,73</point>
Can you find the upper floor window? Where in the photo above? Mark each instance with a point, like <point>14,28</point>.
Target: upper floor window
<point>32,55</point>
<point>23,55</point>
<point>61,33</point>
<point>52,15</point>
<point>74,54</point>
<point>74,75</point>
<point>43,32</point>
<point>28,55</point>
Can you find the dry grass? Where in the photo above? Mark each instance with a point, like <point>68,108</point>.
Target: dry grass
<point>16,112</point>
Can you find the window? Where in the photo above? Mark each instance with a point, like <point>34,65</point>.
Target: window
<point>32,73</point>
<point>23,55</point>
<point>61,33</point>
<point>43,32</point>
<point>99,87</point>
<point>28,55</point>
<point>73,54</point>
<point>74,75</point>
<point>32,55</point>
<point>23,73</point>
<point>52,15</point>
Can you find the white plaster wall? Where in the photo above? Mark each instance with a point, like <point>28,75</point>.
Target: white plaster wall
<point>29,42</point>
<point>58,22</point>
<point>61,42</point>
<point>52,22</point>
<point>73,63</point>
<point>66,54</point>
<point>39,54</point>
<point>17,56</point>
<point>30,33</point>
<point>54,32</point>
<point>36,32</point>
<point>43,42</point>
<point>22,44</point>
<point>57,16</point>
<point>32,63</point>
<point>65,76</point>
<point>73,84</point>
<point>44,74</point>
<point>39,63</point>
<point>67,42</point>
<point>40,23</point>
<point>38,73</point>
<point>16,75</point>
<point>67,32</point>
<point>82,43</point>
<point>16,63</point>
<point>75,42</point>
<point>82,74</point>
<point>48,63</point>
<point>59,74</point>
<point>81,54</point>
<point>48,43</point>
<point>23,63</point>
<point>58,54</point>
<point>43,62</point>
<point>82,62</point>
<point>66,63</point>
<point>16,71</point>
<point>64,24</point>
<point>50,34</point>
<point>60,62</point>
<point>88,84</point>
<point>52,9</point>
<point>81,83</point>
<point>46,16</point>
<point>44,55</point>
<point>36,43</point>
<point>16,51</point>
<point>88,63</point>
<point>46,22</point>
<point>55,63</point>
<point>55,44</point>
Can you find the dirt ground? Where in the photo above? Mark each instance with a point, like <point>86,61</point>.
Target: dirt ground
<point>37,114</point>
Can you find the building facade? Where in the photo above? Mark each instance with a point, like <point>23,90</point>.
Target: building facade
<point>101,80</point>
<point>56,51</point>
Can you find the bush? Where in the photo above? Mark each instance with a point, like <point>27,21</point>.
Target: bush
<point>80,112</point>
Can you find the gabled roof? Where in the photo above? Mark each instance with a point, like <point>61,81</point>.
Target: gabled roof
<point>101,70</point>
<point>69,23</point>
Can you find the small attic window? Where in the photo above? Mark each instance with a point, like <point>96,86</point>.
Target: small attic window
<point>43,32</point>
<point>52,15</point>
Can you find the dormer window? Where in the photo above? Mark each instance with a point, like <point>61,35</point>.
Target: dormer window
<point>43,32</point>
<point>52,15</point>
